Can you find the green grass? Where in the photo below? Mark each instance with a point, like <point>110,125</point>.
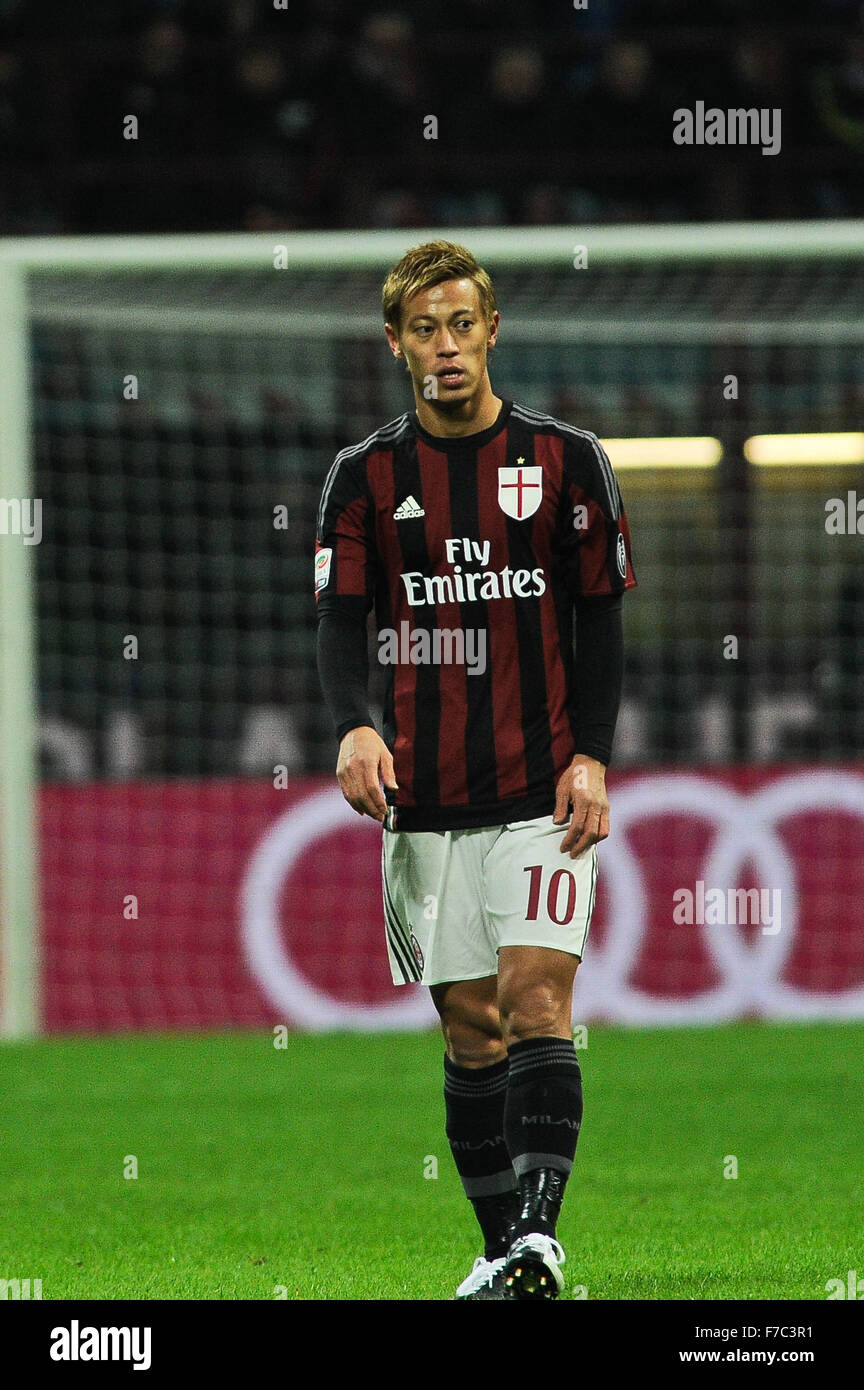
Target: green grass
<point>304,1167</point>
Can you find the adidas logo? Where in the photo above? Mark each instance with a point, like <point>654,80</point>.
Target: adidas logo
<point>409,509</point>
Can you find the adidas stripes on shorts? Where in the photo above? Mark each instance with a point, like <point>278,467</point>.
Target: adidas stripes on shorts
<point>453,897</point>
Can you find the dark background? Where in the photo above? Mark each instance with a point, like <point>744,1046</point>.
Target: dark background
<point>312,117</point>
<point>158,510</point>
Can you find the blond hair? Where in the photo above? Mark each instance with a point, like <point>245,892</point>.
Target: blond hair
<point>427,265</point>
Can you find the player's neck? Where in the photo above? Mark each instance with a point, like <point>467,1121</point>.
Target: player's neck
<point>470,417</point>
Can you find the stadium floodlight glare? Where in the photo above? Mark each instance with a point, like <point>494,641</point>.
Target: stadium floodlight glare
<point>805,450</point>
<point>679,451</point>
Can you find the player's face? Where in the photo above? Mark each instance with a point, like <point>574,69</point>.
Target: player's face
<point>444,340</point>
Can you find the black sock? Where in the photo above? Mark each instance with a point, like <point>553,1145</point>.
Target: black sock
<point>542,1116</point>
<point>474,1100</point>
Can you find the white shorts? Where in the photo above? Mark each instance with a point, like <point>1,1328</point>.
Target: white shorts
<point>453,897</point>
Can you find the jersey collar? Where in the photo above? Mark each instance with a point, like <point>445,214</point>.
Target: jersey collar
<point>446,443</point>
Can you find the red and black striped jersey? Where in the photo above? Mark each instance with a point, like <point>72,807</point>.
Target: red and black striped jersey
<point>473,551</point>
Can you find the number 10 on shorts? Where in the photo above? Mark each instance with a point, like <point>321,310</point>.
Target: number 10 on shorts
<point>560,894</point>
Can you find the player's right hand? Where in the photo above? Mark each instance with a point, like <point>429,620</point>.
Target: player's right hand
<point>364,763</point>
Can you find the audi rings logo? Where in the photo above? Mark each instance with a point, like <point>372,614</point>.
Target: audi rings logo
<point>750,973</point>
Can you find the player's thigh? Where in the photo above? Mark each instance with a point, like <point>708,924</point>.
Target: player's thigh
<point>535,895</point>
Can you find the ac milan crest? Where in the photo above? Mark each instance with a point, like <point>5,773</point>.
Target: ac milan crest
<point>520,490</point>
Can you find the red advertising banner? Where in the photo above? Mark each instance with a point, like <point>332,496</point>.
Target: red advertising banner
<point>188,905</point>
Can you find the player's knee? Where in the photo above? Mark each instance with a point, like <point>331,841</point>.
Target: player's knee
<point>473,1036</point>
<point>536,1012</point>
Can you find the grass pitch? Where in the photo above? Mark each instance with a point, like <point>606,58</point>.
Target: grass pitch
<point>309,1169</point>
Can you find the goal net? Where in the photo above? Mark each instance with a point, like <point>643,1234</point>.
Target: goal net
<point>174,405</point>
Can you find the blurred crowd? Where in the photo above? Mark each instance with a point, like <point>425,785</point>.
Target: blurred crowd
<point>316,113</point>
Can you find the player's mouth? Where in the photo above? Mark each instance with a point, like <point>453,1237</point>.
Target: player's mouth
<point>452,376</point>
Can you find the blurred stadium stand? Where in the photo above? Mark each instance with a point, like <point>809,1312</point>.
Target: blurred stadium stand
<point>312,116</point>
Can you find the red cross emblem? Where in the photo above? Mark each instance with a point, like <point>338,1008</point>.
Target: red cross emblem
<point>520,490</point>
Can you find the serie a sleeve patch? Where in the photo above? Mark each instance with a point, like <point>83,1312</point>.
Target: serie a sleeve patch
<point>323,559</point>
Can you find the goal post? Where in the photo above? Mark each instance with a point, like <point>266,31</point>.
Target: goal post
<point>229,301</point>
<point>19,938</point>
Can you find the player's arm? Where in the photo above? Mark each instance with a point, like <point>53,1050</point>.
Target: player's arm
<point>595,697</point>
<point>364,759</point>
<point>344,586</point>
<point>595,549</point>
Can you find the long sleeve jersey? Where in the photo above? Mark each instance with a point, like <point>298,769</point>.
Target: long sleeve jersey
<point>484,557</point>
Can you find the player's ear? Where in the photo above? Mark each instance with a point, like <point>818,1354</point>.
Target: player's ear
<point>393,340</point>
<point>493,330</point>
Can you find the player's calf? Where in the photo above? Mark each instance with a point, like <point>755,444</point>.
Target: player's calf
<point>475,1091</point>
<point>474,1101</point>
<point>542,1117</point>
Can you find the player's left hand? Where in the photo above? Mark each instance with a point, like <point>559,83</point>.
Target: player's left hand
<point>582,786</point>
